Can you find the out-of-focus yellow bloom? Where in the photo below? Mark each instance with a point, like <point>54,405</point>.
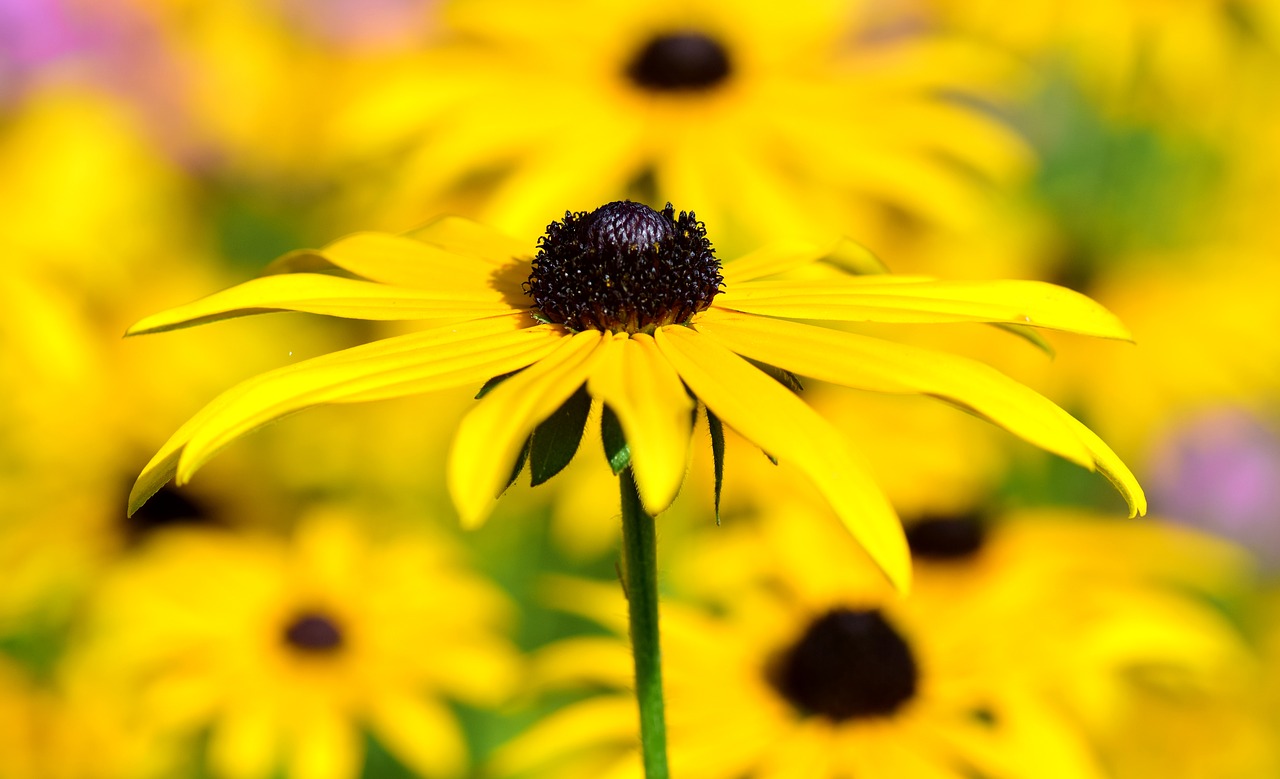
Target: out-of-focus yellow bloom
<point>1136,55</point>
<point>777,121</point>
<point>633,340</point>
<point>288,652</point>
<point>813,670</point>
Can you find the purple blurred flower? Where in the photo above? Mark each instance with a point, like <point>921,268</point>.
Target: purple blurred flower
<point>1220,471</point>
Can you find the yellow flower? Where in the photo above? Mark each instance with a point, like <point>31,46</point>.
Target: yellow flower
<point>285,652</point>
<point>787,683</point>
<point>778,120</point>
<point>631,308</point>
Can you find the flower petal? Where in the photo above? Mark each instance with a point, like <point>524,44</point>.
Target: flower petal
<point>923,300</point>
<point>655,411</point>
<point>491,435</point>
<point>873,364</point>
<point>773,418</point>
<point>438,358</point>
<point>462,236</point>
<point>326,744</point>
<point>603,720</point>
<point>401,261</point>
<point>421,733</point>
<point>771,260</point>
<point>317,293</point>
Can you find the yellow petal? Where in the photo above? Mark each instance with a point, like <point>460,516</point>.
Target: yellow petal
<point>462,236</point>
<point>591,723</point>
<point>921,300</point>
<point>402,261</point>
<point>656,413</point>
<point>583,661</point>
<point>1111,466</point>
<point>773,418</point>
<point>244,741</point>
<point>421,733</point>
<point>330,295</point>
<point>770,260</point>
<point>490,436</point>
<point>882,366</point>
<point>326,745</point>
<point>433,359</point>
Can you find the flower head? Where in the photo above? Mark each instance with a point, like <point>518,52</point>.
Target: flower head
<point>630,310</point>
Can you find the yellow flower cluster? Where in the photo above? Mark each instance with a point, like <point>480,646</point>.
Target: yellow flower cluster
<point>874,206</point>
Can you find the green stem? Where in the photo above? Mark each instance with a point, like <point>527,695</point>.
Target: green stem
<point>640,578</point>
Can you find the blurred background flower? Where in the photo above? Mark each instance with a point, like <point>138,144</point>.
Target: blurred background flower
<point>154,150</point>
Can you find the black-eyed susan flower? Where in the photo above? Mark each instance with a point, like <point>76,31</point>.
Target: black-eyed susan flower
<point>287,652</point>
<point>777,120</point>
<point>630,307</point>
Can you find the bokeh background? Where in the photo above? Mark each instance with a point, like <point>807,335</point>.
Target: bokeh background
<point>306,607</point>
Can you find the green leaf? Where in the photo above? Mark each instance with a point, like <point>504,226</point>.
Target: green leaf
<point>556,440</point>
<point>521,459</point>
<point>616,450</point>
<point>717,454</point>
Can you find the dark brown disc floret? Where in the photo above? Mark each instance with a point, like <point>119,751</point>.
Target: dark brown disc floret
<point>623,267</point>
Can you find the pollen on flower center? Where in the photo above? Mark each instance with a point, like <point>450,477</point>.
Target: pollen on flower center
<point>623,267</point>
<point>313,632</point>
<point>946,538</point>
<point>680,62</point>
<point>848,664</point>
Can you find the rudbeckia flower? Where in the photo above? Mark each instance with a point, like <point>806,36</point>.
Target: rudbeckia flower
<point>776,119</point>
<point>630,307</point>
<point>287,652</point>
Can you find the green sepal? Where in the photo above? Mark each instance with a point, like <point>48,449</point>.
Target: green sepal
<point>616,449</point>
<point>784,377</point>
<point>521,459</point>
<point>556,440</point>
<point>494,382</point>
<point>1030,334</point>
<point>717,455</point>
<point>852,257</point>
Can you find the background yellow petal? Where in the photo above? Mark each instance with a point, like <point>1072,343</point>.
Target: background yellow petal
<point>421,732</point>
<point>773,418</point>
<point>588,724</point>
<point>640,386</point>
<point>316,293</point>
<point>243,742</point>
<point>920,300</point>
<point>490,436</point>
<point>326,745</point>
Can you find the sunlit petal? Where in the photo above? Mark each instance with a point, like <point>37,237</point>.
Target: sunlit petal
<point>421,732</point>
<point>317,293</point>
<point>640,386</point>
<point>773,418</point>
<point>490,436</point>
<point>922,300</point>
<point>433,359</point>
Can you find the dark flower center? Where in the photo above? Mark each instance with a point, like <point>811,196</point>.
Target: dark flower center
<point>848,664</point>
<point>167,508</point>
<point>312,632</point>
<point>679,62</point>
<point>946,538</point>
<point>623,267</point>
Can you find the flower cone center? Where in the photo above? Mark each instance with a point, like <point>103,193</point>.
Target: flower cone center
<point>313,632</point>
<point>680,62</point>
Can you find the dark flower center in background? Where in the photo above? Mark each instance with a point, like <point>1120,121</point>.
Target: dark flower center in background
<point>623,267</point>
<point>679,62</point>
<point>312,632</point>
<point>946,538</point>
<point>167,508</point>
<point>848,664</point>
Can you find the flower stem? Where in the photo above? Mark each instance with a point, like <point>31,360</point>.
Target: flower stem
<point>640,578</point>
